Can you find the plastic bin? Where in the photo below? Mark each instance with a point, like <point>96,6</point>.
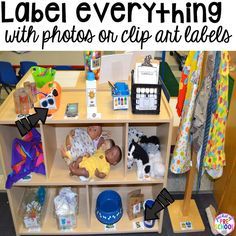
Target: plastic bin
<point>42,75</point>
<point>145,98</point>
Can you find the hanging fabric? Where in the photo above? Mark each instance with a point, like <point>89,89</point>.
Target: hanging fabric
<point>190,64</point>
<point>212,103</point>
<point>199,116</point>
<point>214,159</point>
<point>181,160</point>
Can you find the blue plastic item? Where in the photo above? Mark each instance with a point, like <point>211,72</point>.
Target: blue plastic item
<point>109,207</point>
<point>8,77</point>
<point>120,88</point>
<point>90,76</point>
<point>148,223</point>
<point>25,66</point>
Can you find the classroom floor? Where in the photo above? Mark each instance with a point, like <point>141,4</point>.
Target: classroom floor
<point>202,200</point>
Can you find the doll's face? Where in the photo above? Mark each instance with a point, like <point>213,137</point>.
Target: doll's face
<point>94,131</point>
<point>113,155</point>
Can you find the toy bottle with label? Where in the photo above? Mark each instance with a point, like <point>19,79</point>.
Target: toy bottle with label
<point>92,62</point>
<point>91,93</point>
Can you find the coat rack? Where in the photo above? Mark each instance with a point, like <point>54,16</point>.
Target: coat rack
<point>184,214</point>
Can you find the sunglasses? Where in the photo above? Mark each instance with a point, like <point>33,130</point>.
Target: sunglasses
<point>49,100</point>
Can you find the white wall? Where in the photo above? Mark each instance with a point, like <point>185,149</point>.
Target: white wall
<point>45,57</point>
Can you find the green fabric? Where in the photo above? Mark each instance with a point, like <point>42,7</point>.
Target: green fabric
<point>169,79</point>
<point>231,86</point>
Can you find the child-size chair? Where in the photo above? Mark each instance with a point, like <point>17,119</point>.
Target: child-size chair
<point>8,78</point>
<point>25,66</point>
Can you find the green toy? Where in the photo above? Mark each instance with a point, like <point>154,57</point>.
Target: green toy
<point>42,75</point>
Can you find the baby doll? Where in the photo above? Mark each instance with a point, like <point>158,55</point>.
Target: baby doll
<point>79,142</point>
<point>96,165</point>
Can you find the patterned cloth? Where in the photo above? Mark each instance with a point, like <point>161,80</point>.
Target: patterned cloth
<point>181,160</point>
<point>27,157</point>
<point>200,111</point>
<point>215,155</point>
<point>190,64</point>
<point>81,144</point>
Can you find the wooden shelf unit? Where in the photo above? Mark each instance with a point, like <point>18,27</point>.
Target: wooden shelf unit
<point>57,175</point>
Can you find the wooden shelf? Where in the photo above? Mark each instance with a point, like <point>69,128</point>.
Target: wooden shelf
<point>59,176</point>
<point>2,183</point>
<point>50,224</point>
<point>124,225</point>
<point>104,103</point>
<point>53,135</point>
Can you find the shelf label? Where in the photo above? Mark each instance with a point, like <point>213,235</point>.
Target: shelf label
<point>138,225</point>
<point>186,225</point>
<point>110,227</point>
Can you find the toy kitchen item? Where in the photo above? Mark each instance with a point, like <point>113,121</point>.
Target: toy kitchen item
<point>42,75</point>
<point>50,96</point>
<point>135,204</point>
<point>145,88</point>
<point>66,208</point>
<point>120,95</point>
<point>148,223</point>
<point>92,61</point>
<point>109,207</point>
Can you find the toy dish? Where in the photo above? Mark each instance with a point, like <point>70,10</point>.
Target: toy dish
<point>109,207</point>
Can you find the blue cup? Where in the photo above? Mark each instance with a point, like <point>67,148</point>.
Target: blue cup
<point>148,223</point>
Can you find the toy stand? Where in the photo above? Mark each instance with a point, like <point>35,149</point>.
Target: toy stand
<point>185,211</point>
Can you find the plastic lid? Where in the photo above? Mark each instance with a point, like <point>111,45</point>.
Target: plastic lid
<point>90,75</point>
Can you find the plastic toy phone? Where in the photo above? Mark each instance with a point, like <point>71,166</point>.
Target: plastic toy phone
<point>72,109</point>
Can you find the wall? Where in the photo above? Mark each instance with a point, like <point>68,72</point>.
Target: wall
<point>44,58</point>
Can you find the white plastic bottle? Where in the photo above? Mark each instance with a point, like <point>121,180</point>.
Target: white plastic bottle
<point>91,93</point>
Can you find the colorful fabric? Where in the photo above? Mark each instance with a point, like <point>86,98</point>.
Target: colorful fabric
<point>212,102</point>
<point>96,161</point>
<point>27,157</point>
<point>200,111</point>
<point>215,155</point>
<point>181,160</point>
<point>189,66</point>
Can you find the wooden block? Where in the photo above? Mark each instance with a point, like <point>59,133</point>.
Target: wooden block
<point>176,217</point>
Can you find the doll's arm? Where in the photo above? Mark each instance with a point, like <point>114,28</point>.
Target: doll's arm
<point>100,142</point>
<point>78,171</point>
<point>100,174</point>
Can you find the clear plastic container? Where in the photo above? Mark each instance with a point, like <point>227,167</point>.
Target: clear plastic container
<point>66,208</point>
<point>33,207</point>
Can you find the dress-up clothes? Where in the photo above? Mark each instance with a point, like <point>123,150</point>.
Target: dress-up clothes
<point>214,159</point>
<point>181,160</point>
<point>27,157</point>
<point>81,145</point>
<point>200,111</point>
<point>190,64</point>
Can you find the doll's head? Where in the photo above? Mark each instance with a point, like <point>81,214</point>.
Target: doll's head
<point>94,131</point>
<point>106,144</point>
<point>113,155</point>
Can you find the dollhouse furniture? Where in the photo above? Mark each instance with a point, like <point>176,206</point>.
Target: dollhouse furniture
<point>120,178</point>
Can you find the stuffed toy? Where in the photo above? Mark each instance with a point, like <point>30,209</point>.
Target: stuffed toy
<point>153,139</point>
<point>134,135</point>
<point>155,159</point>
<point>138,155</point>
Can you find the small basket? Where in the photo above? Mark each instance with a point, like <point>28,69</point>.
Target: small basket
<point>145,98</point>
<point>42,75</point>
